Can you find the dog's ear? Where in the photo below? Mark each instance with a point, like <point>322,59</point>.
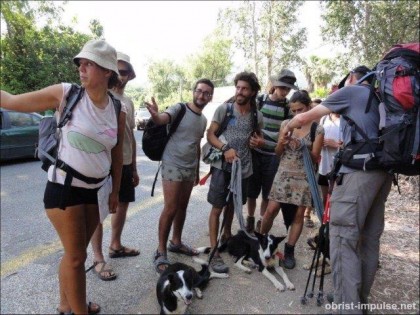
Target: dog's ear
<point>258,235</point>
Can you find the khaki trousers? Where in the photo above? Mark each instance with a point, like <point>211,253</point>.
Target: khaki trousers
<point>356,225</point>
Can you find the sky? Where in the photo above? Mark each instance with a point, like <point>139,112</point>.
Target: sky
<point>167,29</point>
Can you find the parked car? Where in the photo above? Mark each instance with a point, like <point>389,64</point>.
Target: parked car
<point>142,117</point>
<point>18,134</point>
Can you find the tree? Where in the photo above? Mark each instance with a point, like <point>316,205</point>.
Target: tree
<point>213,61</point>
<point>34,56</point>
<point>267,33</point>
<point>167,81</point>
<point>369,28</point>
<point>319,72</point>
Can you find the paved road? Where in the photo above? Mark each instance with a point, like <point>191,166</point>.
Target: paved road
<point>30,253</point>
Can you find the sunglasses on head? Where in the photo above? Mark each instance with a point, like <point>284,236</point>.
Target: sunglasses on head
<point>124,73</point>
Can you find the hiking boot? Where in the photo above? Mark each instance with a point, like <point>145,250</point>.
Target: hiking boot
<point>258,226</point>
<point>250,221</point>
<point>289,261</point>
<point>218,265</point>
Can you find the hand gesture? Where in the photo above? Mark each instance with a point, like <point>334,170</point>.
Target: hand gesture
<point>152,107</point>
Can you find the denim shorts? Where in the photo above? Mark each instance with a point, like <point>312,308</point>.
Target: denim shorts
<point>218,190</point>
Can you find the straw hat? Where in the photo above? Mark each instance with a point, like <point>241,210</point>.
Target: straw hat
<point>123,57</point>
<point>101,53</point>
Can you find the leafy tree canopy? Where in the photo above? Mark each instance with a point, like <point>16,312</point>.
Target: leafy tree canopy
<point>33,56</point>
<point>369,28</point>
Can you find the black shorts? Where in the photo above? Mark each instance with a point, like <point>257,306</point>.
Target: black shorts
<point>127,188</point>
<point>54,193</point>
<point>218,190</point>
<point>322,180</point>
<point>264,169</point>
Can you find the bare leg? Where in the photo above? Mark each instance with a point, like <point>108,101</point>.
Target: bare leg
<point>183,199</point>
<point>98,255</point>
<point>117,224</point>
<point>74,227</point>
<point>228,212</point>
<point>264,204</point>
<point>251,204</point>
<point>270,214</point>
<point>214,226</point>
<point>296,227</point>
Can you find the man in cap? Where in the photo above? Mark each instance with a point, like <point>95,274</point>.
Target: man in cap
<point>274,108</point>
<point>358,198</point>
<point>129,180</point>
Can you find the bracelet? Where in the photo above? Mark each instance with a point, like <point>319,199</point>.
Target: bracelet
<point>225,147</point>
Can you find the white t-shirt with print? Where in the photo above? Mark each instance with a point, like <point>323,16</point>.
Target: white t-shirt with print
<point>87,140</point>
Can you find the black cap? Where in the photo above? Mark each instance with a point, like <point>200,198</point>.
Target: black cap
<point>359,69</point>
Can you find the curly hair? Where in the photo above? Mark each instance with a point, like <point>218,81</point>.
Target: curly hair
<point>252,80</point>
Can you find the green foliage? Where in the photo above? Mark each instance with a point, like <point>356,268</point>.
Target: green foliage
<point>214,61</point>
<point>167,80</point>
<point>33,57</point>
<point>267,33</point>
<point>321,93</point>
<point>369,28</point>
<point>137,94</point>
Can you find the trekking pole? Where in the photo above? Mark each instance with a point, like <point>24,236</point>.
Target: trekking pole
<point>320,242</point>
<point>303,299</point>
<point>320,298</point>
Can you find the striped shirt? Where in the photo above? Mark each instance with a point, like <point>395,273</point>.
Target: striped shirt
<point>274,112</point>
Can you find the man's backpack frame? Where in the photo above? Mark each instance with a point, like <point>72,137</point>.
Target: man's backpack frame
<point>397,81</point>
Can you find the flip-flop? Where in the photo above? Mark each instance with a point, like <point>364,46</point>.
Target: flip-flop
<point>123,252</point>
<point>160,259</point>
<point>103,271</point>
<point>182,249</point>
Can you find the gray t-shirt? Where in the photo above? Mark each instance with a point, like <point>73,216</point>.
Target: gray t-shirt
<point>237,134</point>
<point>181,150</point>
<point>352,101</point>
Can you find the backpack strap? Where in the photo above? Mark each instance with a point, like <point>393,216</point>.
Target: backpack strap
<point>313,130</point>
<point>225,122</point>
<point>178,118</point>
<point>74,96</point>
<point>172,129</point>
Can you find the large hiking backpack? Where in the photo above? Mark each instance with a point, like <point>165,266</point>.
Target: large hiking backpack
<point>398,76</point>
<point>397,79</point>
<point>155,137</point>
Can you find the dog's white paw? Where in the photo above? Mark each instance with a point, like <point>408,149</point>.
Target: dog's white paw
<point>306,267</point>
<point>290,287</point>
<point>279,287</point>
<point>198,293</point>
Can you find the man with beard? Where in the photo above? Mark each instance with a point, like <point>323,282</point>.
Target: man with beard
<point>180,169</point>
<point>129,180</point>
<point>234,143</point>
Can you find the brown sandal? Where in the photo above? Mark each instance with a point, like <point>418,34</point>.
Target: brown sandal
<point>101,273</point>
<point>123,252</point>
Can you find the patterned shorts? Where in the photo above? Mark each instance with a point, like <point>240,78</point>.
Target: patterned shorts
<point>176,174</point>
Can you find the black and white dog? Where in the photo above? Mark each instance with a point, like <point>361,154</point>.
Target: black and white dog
<point>176,285</point>
<point>263,252</point>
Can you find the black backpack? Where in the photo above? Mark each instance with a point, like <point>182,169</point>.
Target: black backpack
<point>397,81</point>
<point>155,137</point>
<point>49,139</point>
